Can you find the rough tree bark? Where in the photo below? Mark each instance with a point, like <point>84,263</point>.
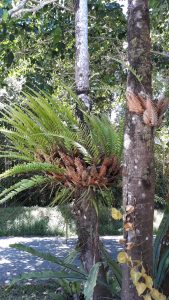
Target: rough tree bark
<point>138,171</point>
<point>85,213</point>
<point>88,239</point>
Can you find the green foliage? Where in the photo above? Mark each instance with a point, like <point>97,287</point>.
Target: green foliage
<point>46,275</point>
<point>41,48</point>
<point>161,262</point>
<point>67,278</point>
<point>30,168</point>
<point>40,127</point>
<point>91,281</point>
<point>49,257</point>
<point>38,291</point>
<point>113,266</point>
<point>70,278</point>
<point>108,226</point>
<point>21,186</point>
<point>34,221</point>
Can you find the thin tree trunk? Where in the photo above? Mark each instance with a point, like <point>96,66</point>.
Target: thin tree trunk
<point>85,213</point>
<point>138,171</point>
<point>82,54</point>
<point>88,239</point>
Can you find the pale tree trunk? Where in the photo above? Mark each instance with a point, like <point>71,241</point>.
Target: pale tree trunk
<point>138,171</point>
<point>85,212</point>
<point>82,54</point>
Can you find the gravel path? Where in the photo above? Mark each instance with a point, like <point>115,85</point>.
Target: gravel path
<point>14,262</point>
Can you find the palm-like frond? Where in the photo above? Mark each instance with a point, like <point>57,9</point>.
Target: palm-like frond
<point>21,186</point>
<point>29,168</point>
<point>45,133</point>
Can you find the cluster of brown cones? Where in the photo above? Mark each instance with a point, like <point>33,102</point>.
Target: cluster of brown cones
<point>77,173</point>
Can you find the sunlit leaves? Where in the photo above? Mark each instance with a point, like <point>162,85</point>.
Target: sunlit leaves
<point>147,297</point>
<point>140,287</point>
<point>135,275</point>
<point>116,214</point>
<point>122,258</point>
<point>148,281</point>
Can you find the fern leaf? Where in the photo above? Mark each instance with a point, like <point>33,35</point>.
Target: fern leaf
<point>30,167</point>
<point>21,186</point>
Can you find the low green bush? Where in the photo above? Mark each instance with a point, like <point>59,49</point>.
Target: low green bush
<point>108,226</point>
<point>31,221</point>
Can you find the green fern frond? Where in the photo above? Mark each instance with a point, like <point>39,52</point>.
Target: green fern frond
<point>21,186</point>
<point>128,67</point>
<point>63,195</point>
<point>15,156</point>
<point>45,125</point>
<point>30,167</point>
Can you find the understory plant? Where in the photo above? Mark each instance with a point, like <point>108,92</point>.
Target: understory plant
<point>148,287</point>
<point>73,281</point>
<point>161,255</point>
<point>79,160</point>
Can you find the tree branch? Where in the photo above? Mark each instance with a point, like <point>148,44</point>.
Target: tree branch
<point>21,8</point>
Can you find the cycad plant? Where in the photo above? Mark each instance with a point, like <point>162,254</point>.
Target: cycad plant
<point>58,150</point>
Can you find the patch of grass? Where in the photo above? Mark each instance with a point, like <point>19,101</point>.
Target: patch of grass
<point>31,221</point>
<point>45,291</point>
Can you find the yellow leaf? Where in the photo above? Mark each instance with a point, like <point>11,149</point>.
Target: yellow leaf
<point>143,271</point>
<point>148,281</point>
<point>135,275</point>
<point>147,297</point>
<point>122,257</point>
<point>116,214</point>
<point>162,297</point>
<point>140,287</point>
<point>155,294</point>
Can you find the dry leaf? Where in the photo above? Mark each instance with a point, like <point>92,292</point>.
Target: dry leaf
<point>128,226</point>
<point>134,104</point>
<point>122,241</point>
<point>129,209</point>
<point>129,245</point>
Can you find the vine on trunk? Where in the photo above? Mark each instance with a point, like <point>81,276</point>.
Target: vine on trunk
<point>141,280</point>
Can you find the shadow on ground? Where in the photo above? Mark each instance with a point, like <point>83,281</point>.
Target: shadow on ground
<point>15,262</point>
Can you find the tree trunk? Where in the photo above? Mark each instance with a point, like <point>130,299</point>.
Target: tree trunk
<point>138,171</point>
<point>82,54</point>
<point>85,213</point>
<point>88,239</point>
